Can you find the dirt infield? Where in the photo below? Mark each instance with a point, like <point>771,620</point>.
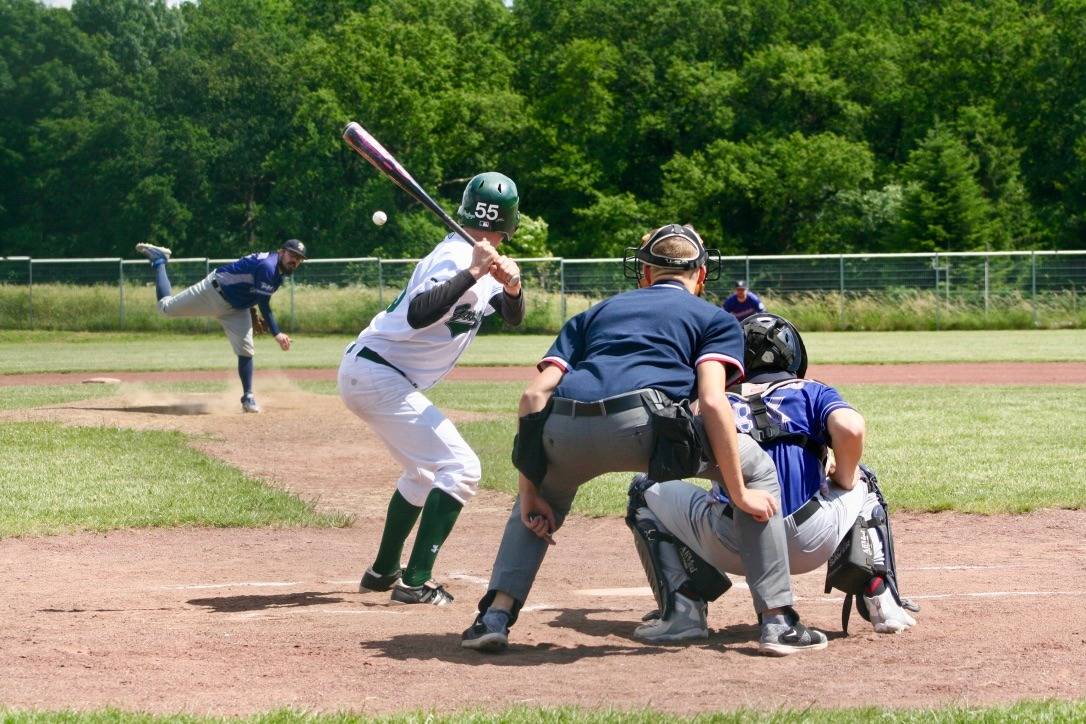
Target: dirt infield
<point>238,621</point>
<point>983,373</point>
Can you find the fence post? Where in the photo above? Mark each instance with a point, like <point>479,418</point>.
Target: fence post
<point>985,285</point>
<point>935,264</point>
<point>562,291</point>
<point>380,284</point>
<point>207,270</point>
<point>746,270</point>
<point>293,323</point>
<point>30,292</point>
<point>120,282</point>
<point>1033,284</point>
<point>841,296</point>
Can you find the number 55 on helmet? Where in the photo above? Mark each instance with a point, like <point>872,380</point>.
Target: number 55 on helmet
<point>490,203</point>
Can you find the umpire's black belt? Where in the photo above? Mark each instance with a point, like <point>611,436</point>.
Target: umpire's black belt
<point>369,354</point>
<point>799,517</point>
<point>612,406</point>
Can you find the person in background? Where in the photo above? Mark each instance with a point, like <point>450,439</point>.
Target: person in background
<point>743,303</point>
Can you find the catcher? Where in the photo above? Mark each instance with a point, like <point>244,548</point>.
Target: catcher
<point>611,395</point>
<point>231,295</point>
<point>839,517</point>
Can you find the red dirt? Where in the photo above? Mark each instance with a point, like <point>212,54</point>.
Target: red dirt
<point>983,373</point>
<point>238,621</point>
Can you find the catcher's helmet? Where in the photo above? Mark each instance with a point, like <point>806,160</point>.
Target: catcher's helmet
<point>647,253</point>
<point>490,203</point>
<point>295,246</point>
<point>773,345</point>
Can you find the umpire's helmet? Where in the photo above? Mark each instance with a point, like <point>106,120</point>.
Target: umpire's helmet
<point>773,345</point>
<point>491,203</point>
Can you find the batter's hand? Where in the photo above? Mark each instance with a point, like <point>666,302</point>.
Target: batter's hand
<point>483,257</point>
<point>284,341</point>
<point>507,273</point>
<point>537,516</point>
<point>759,504</point>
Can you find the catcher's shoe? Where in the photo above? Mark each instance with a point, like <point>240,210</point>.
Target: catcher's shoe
<point>430,592</point>
<point>248,404</point>
<point>154,253</point>
<point>785,639</point>
<point>686,623</point>
<point>886,615</point>
<point>489,634</point>
<point>375,582</point>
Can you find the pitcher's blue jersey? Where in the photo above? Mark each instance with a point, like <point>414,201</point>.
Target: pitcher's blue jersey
<point>797,406</point>
<point>645,338</point>
<point>250,280</point>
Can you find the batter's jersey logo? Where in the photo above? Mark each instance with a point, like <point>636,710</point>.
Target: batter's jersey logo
<point>464,319</point>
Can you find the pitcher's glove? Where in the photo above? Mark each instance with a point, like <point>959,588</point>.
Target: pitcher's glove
<point>259,325</point>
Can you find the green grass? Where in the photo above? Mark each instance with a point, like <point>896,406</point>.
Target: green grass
<point>57,479</point>
<point>38,351</point>
<point>978,449</point>
<point>1052,711</point>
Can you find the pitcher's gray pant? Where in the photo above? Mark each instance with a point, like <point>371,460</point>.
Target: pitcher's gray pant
<point>203,300</point>
<point>693,516</point>
<point>581,448</point>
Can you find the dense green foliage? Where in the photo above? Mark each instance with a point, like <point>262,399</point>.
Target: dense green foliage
<point>776,126</point>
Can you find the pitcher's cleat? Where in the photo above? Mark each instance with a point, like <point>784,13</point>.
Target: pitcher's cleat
<point>154,253</point>
<point>248,404</point>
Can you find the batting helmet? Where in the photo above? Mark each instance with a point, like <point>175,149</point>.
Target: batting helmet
<point>490,203</point>
<point>773,345</point>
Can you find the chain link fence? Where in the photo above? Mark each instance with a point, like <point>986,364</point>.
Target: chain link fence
<point>850,291</point>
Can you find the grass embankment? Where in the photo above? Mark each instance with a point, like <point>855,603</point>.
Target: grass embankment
<point>1052,711</point>
<point>56,479</point>
<point>40,351</point>
<point>328,309</point>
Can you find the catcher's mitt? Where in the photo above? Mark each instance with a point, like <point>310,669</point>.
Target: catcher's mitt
<point>259,325</point>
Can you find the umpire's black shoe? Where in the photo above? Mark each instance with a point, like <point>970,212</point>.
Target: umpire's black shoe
<point>430,592</point>
<point>489,634</point>
<point>790,638</point>
<point>377,582</point>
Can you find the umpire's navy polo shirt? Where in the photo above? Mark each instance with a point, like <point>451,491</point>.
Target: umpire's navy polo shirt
<point>646,338</point>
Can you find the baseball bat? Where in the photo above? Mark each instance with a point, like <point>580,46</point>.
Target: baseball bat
<point>369,148</point>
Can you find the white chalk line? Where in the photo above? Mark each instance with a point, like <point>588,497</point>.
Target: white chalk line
<point>230,584</point>
<point>645,591</point>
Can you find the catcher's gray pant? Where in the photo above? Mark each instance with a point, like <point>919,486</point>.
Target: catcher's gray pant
<point>204,300</point>
<point>581,448</point>
<point>693,516</point>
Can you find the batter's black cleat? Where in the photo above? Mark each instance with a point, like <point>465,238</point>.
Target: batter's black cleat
<point>375,582</point>
<point>430,592</point>
<point>779,639</point>
<point>489,634</point>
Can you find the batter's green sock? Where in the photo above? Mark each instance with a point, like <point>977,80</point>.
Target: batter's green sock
<point>438,518</point>
<point>399,521</point>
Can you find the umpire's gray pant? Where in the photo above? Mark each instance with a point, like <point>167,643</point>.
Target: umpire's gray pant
<point>581,448</point>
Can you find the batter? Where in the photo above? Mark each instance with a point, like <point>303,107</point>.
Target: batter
<point>407,349</point>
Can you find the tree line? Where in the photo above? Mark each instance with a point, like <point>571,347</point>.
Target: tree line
<point>774,126</point>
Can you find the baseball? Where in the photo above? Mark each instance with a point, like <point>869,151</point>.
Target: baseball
<point>380,217</point>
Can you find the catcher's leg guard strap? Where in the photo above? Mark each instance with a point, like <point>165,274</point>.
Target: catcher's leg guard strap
<point>647,542</point>
<point>488,599</point>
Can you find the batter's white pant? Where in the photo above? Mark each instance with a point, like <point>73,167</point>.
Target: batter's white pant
<point>204,300</point>
<point>692,515</point>
<point>425,443</point>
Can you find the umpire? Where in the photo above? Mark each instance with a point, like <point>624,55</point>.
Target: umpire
<point>612,395</point>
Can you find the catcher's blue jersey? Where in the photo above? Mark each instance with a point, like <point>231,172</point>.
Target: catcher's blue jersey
<point>798,406</point>
<point>651,338</point>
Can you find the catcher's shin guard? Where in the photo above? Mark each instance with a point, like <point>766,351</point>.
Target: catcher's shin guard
<point>703,581</point>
